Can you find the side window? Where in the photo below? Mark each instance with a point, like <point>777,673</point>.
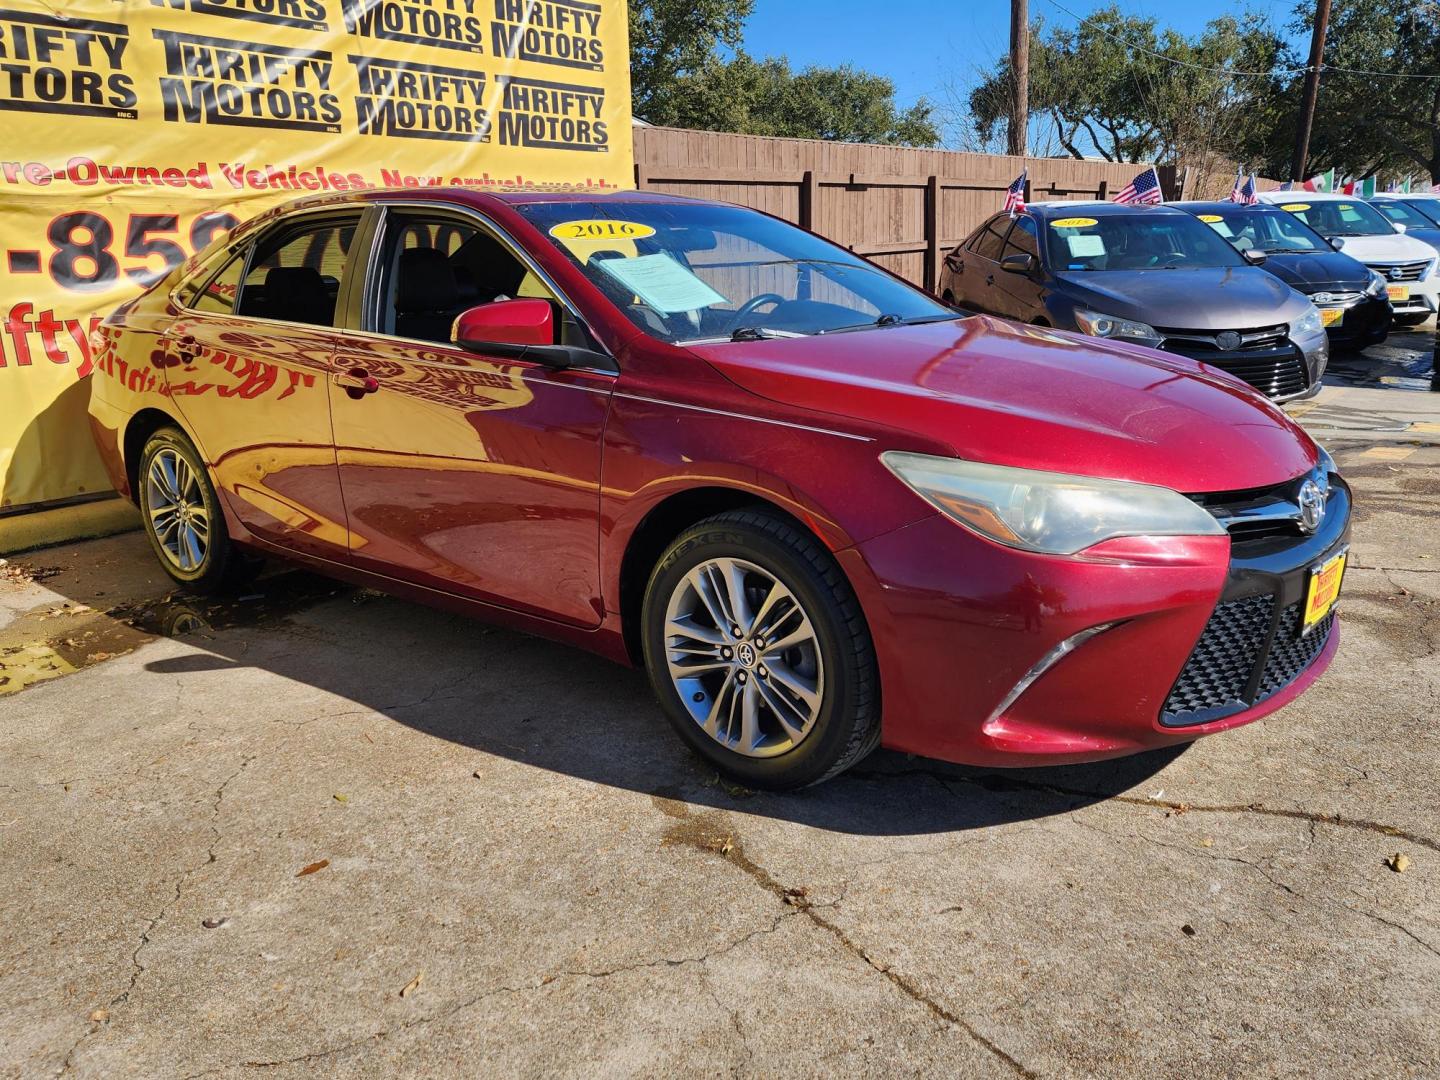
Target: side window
<point>437,267</point>
<point>220,292</point>
<point>296,272</point>
<point>991,241</point>
<point>1022,240</point>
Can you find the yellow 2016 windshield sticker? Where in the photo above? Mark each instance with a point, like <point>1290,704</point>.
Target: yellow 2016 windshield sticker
<point>1296,207</point>
<point>1210,219</point>
<point>600,229</point>
<point>1073,223</point>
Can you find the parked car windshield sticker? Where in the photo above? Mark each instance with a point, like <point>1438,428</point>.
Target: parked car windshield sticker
<point>662,283</point>
<point>1211,218</point>
<point>1086,247</point>
<point>1296,207</point>
<point>600,229</point>
<point>1072,223</point>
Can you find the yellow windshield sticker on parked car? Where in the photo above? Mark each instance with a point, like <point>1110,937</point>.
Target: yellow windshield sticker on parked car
<point>1211,218</point>
<point>600,229</point>
<point>1072,223</point>
<point>1296,207</point>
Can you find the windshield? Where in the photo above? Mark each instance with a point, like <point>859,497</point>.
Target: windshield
<point>1270,231</point>
<point>1135,242</point>
<point>1429,208</point>
<point>1403,214</point>
<point>1335,217</point>
<point>689,272</point>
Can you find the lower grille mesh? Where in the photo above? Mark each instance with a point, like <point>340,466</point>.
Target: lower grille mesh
<point>1214,680</point>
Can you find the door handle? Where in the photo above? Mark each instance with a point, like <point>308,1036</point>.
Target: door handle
<point>357,382</point>
<point>183,345</point>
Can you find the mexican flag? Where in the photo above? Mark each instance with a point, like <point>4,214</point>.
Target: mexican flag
<point>1325,182</point>
<point>1363,188</point>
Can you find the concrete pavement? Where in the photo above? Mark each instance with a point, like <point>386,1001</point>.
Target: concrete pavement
<point>320,830</point>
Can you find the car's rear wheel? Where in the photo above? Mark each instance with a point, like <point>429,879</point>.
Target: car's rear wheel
<point>182,515</point>
<point>758,652</point>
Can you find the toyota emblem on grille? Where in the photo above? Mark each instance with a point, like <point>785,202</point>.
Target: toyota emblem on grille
<point>1312,506</point>
<point>1227,340</point>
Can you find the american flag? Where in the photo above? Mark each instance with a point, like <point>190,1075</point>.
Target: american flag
<point>1145,188</point>
<point>1235,187</point>
<point>1015,194</point>
<point>1246,193</point>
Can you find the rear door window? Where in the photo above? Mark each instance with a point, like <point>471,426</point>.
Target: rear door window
<point>991,241</point>
<point>297,270</point>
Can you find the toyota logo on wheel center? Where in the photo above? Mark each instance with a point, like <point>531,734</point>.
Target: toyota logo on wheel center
<point>746,652</point>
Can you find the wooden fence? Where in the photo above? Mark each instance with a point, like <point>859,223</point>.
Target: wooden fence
<point>902,207</point>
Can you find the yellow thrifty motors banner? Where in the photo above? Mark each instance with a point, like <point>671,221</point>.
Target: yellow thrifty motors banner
<point>132,132</point>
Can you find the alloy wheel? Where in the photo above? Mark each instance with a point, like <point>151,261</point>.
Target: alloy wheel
<point>178,515</point>
<point>743,656</point>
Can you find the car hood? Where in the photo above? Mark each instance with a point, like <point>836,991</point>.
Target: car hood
<point>1394,247</point>
<point>997,392</point>
<point>1426,236</point>
<point>1320,269</point>
<point>1211,298</point>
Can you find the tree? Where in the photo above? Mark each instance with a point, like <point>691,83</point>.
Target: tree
<point>1373,115</point>
<point>1119,87</point>
<point>680,78</point>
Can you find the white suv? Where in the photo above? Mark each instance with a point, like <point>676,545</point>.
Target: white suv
<point>1362,232</point>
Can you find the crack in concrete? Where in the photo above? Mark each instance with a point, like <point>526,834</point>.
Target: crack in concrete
<point>706,834</point>
<point>471,1002</point>
<point>137,968</point>
<point>1014,782</point>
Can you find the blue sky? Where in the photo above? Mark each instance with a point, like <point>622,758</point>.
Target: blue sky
<point>923,45</point>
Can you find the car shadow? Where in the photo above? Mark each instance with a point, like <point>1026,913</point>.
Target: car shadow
<point>545,705</point>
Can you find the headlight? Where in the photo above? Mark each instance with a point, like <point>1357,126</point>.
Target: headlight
<point>1376,286</point>
<point>1309,324</point>
<point>1108,326</point>
<point>1045,511</point>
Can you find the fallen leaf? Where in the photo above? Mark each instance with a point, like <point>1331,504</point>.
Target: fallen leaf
<point>341,798</point>
<point>1399,862</point>
<point>214,924</point>
<point>413,985</point>
<point>99,1016</point>
<point>1188,930</point>
<point>314,866</point>
<point>1207,842</point>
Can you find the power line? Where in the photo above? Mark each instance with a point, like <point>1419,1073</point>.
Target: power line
<point>1324,68</point>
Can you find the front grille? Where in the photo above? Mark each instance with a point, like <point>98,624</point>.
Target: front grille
<point>1264,357</point>
<point>1261,513</point>
<point>1231,668</point>
<point>1407,271</point>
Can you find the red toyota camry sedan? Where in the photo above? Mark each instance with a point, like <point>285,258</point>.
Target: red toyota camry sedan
<point>824,511</point>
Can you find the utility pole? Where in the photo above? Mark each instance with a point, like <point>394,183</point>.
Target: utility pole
<point>1020,75</point>
<point>1312,91</point>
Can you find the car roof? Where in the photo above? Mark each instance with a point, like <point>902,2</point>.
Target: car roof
<point>1311,196</point>
<point>1063,208</point>
<point>1218,205</point>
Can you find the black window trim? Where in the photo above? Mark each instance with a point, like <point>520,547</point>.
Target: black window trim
<point>249,243</point>
<point>366,303</point>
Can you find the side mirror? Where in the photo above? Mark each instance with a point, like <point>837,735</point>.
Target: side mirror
<point>1337,242</point>
<point>1398,227</point>
<point>1253,256</point>
<point>522,322</point>
<point>523,329</point>
<point>1018,264</point>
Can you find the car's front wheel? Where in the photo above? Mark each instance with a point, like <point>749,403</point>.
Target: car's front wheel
<point>182,515</point>
<point>758,652</point>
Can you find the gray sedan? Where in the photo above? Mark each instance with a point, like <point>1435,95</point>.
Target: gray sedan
<point>1152,275</point>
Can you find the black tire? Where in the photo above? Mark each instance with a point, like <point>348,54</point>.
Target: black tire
<point>847,725</point>
<point>222,566</point>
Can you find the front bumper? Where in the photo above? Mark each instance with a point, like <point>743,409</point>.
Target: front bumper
<point>1365,321</point>
<point>959,622</point>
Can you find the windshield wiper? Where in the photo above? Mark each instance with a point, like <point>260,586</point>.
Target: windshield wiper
<point>760,333</point>
<point>891,319</point>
